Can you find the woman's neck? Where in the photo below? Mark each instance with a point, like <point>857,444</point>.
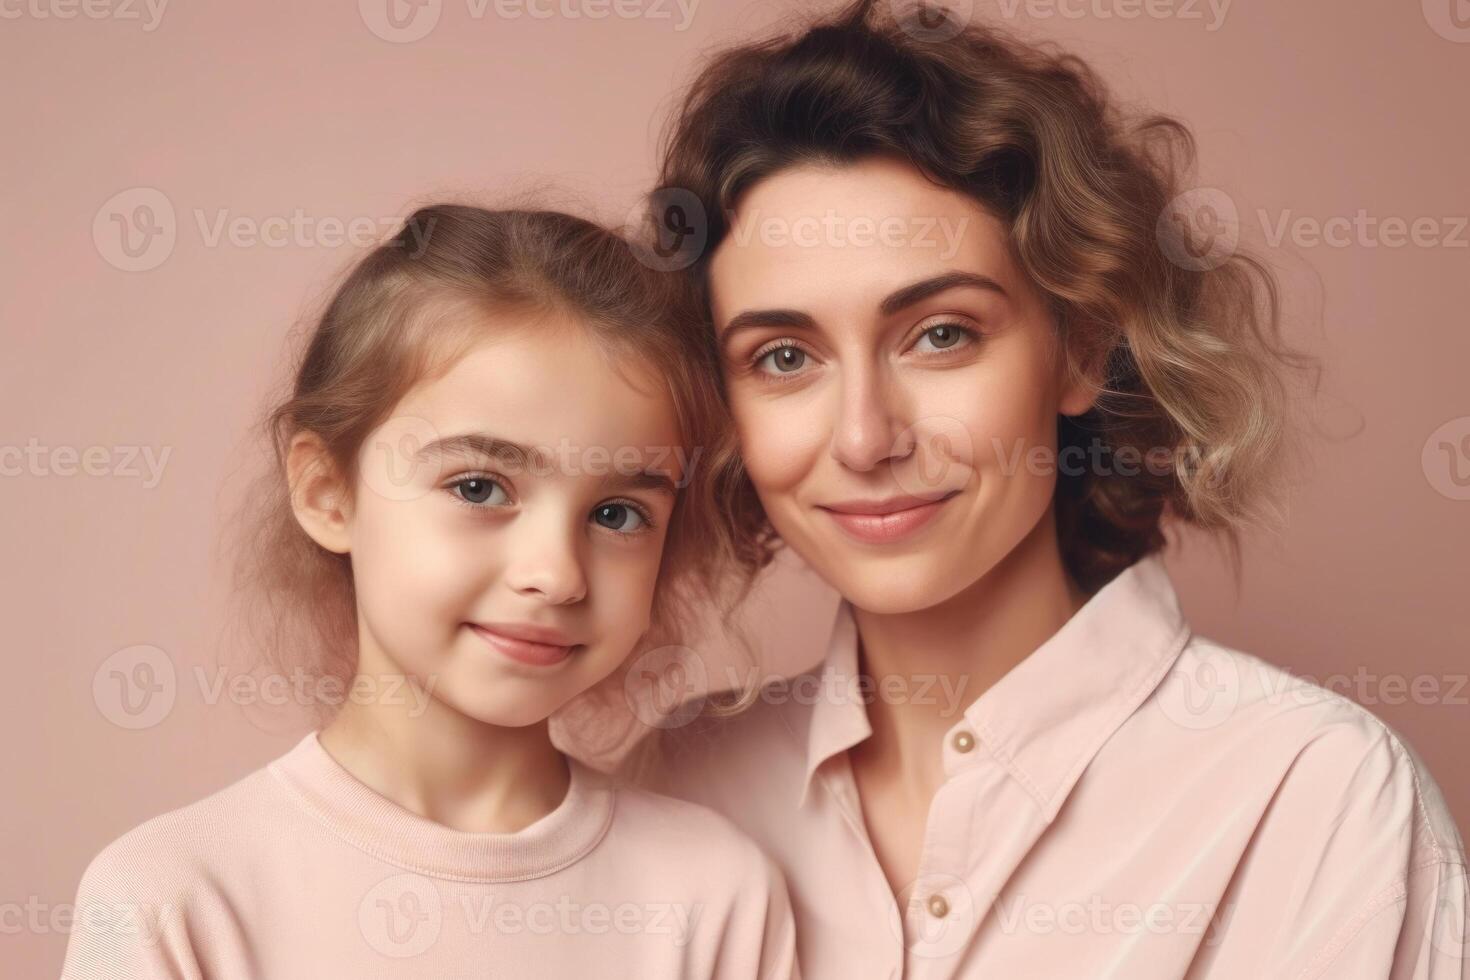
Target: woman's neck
<point>957,650</point>
<point>441,764</point>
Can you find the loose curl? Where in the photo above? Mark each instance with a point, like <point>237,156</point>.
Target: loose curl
<point>1188,359</point>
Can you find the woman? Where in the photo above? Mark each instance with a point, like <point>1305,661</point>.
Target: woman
<point>975,366</point>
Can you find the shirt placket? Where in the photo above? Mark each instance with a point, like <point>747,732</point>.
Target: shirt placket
<point>942,910</point>
<point>838,777</point>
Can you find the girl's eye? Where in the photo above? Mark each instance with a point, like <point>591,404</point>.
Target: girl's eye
<point>480,491</point>
<point>623,518</point>
<point>784,359</point>
<point>944,336</point>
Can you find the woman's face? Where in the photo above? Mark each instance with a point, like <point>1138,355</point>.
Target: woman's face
<point>894,378</point>
<point>509,521</point>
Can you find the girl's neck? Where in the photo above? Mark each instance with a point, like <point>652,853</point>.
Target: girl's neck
<point>957,650</point>
<point>443,765</point>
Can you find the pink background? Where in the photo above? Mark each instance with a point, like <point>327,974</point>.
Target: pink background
<point>1311,110</point>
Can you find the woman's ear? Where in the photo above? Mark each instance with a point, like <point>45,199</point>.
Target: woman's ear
<point>319,498</point>
<point>1084,373</point>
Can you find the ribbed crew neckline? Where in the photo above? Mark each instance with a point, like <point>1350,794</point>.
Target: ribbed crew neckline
<point>376,825</point>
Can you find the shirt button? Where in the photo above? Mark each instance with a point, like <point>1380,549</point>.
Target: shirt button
<point>938,906</point>
<point>963,741</point>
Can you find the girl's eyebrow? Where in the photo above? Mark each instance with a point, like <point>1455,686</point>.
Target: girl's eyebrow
<point>653,480</point>
<point>477,443</point>
<point>516,455</point>
<point>899,299</point>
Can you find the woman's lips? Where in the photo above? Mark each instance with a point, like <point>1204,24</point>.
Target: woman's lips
<point>524,644</point>
<point>882,521</point>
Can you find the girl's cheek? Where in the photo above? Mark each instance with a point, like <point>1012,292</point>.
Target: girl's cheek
<point>415,557</point>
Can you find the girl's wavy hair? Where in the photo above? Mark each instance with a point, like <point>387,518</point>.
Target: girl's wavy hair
<point>1189,357</point>
<point>404,315</point>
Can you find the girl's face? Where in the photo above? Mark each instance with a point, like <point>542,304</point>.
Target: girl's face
<point>509,522</point>
<point>894,378</point>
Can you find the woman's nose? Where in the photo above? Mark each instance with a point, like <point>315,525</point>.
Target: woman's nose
<point>868,430</point>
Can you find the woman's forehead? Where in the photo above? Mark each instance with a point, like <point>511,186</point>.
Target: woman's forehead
<point>820,238</point>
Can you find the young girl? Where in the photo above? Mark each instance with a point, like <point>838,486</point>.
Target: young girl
<point>489,493</point>
<point>976,371</point>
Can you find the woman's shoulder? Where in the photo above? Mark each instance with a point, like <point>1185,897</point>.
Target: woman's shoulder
<point>679,829</point>
<point>1316,740</point>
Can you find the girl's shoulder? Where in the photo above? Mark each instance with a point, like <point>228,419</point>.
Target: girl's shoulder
<point>163,855</point>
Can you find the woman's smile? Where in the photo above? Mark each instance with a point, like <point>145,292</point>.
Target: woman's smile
<point>884,521</point>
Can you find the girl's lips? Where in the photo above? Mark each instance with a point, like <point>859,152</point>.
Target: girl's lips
<point>882,522</point>
<point>523,651</point>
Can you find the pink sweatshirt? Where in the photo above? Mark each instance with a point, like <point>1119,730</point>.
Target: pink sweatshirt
<point>301,871</point>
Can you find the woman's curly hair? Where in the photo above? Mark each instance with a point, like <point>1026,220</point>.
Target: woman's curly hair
<point>1188,352</point>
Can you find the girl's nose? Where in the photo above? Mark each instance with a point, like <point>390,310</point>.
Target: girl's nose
<point>547,567</point>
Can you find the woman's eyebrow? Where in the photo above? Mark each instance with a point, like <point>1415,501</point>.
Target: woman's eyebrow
<point>750,319</point>
<point>916,292</point>
<point>904,296</point>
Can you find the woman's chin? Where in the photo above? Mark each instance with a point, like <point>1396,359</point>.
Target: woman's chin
<point>891,589</point>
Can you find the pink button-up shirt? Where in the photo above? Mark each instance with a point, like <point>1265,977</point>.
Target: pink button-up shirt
<point>1130,801</point>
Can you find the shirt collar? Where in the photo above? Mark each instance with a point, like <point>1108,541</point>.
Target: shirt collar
<point>1047,718</point>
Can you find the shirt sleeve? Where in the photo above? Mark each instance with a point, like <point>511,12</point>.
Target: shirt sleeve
<point>1391,823</point>
<point>761,943</point>
<point>1414,930</point>
<point>121,931</point>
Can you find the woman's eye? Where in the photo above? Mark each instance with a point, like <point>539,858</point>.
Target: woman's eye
<point>618,517</point>
<point>481,491</point>
<point>941,337</point>
<point>782,360</point>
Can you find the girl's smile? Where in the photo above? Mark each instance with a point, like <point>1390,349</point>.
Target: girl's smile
<point>534,646</point>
